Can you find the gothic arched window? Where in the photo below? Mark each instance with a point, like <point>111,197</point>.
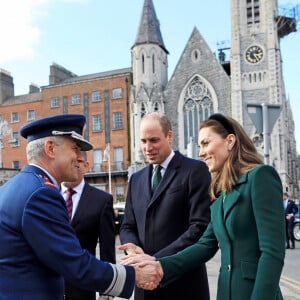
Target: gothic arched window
<point>143,63</point>
<point>197,107</point>
<point>143,109</point>
<point>153,63</point>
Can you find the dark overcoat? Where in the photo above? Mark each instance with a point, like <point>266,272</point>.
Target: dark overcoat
<point>93,221</point>
<point>174,217</point>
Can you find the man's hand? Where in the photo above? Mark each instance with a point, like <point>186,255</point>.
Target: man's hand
<point>133,259</point>
<point>131,248</point>
<point>148,274</point>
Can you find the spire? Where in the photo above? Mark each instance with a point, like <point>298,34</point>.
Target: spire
<point>149,29</point>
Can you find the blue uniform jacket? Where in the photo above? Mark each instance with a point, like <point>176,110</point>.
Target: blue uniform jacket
<point>39,247</point>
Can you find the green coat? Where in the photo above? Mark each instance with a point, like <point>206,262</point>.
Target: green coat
<point>248,227</point>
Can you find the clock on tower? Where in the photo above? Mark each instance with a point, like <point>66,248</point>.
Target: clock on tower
<point>254,54</point>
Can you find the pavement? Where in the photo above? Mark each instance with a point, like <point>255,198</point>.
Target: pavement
<point>290,288</point>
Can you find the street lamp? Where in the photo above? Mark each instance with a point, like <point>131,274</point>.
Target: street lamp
<point>106,158</point>
<point>5,130</point>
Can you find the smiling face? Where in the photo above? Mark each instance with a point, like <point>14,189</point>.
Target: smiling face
<point>155,144</point>
<point>214,149</point>
<point>66,160</point>
<point>82,169</point>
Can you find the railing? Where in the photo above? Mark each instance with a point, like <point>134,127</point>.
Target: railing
<point>114,167</point>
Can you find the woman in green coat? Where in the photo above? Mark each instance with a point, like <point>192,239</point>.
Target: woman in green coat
<point>247,218</point>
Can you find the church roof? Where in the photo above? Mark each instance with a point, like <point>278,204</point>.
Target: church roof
<point>149,29</point>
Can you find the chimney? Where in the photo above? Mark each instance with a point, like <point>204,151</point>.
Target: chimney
<point>6,85</point>
<point>58,74</point>
<point>34,88</point>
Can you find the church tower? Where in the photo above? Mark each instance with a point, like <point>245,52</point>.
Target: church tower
<point>150,74</point>
<point>256,73</point>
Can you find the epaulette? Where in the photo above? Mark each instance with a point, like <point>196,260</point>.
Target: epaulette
<point>47,182</point>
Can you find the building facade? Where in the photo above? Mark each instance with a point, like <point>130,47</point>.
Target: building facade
<point>115,101</point>
<point>203,84</point>
<point>103,98</point>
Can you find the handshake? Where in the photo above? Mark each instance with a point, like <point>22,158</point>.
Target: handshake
<point>148,272</point>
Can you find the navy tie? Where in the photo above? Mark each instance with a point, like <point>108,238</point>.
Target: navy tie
<point>156,177</point>
<point>69,202</point>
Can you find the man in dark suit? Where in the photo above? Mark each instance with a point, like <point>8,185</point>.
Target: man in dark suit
<point>290,210</point>
<point>93,221</point>
<point>162,222</point>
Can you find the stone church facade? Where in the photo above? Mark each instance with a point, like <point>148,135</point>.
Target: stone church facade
<point>201,84</point>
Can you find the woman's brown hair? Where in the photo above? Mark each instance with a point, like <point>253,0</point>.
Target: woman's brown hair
<point>242,157</point>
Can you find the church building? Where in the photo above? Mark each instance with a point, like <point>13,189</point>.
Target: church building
<point>249,87</point>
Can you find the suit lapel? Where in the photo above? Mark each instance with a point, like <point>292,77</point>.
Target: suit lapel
<point>233,197</point>
<point>229,202</point>
<point>219,221</point>
<point>144,190</point>
<point>82,204</point>
<point>170,173</point>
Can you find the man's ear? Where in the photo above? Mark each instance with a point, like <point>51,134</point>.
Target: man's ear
<point>49,148</point>
<point>170,137</point>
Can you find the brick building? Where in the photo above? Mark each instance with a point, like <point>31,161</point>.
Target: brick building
<point>101,97</point>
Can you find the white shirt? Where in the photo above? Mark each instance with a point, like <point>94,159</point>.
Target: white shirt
<point>76,196</point>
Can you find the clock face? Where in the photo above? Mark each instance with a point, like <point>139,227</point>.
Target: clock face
<point>254,54</point>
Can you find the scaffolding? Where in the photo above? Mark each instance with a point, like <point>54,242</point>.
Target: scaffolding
<point>287,19</point>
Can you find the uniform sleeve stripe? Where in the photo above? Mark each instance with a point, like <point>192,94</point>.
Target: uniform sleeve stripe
<point>117,285</point>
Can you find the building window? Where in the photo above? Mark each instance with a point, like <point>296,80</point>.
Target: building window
<point>153,63</point>
<point>196,55</point>
<point>30,114</point>
<point>16,164</point>
<point>252,11</point>
<point>15,141</point>
<point>117,120</point>
<point>54,102</point>
<point>117,93</point>
<point>120,193</point>
<point>75,99</point>
<point>118,159</point>
<point>97,160</point>
<point>14,117</point>
<point>96,96</point>
<point>96,119</point>
<point>143,109</point>
<point>143,63</point>
<point>198,106</point>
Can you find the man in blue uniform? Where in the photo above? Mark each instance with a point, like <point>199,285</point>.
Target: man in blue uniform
<point>38,245</point>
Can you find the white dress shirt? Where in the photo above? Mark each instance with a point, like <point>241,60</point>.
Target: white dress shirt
<point>76,196</point>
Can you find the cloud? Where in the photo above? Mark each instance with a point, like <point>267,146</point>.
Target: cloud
<point>19,33</point>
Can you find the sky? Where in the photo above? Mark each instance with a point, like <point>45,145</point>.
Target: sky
<point>91,36</point>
